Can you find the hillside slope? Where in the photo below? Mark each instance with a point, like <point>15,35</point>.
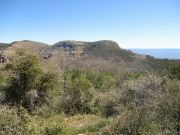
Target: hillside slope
<point>100,55</point>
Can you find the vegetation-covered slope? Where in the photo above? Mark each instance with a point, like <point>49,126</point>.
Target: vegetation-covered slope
<point>3,46</point>
<point>40,99</point>
<point>100,55</point>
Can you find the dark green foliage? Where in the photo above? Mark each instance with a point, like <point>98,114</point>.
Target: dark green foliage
<point>3,81</point>
<point>29,85</point>
<point>132,121</point>
<point>132,75</point>
<point>137,116</point>
<point>53,131</point>
<point>82,90</point>
<point>107,105</point>
<point>108,49</point>
<point>165,67</point>
<point>79,88</point>
<point>25,74</point>
<point>138,103</point>
<point>3,84</point>
<point>48,88</point>
<point>174,71</point>
<point>77,94</point>
<point>4,46</point>
<point>168,108</point>
<point>101,80</point>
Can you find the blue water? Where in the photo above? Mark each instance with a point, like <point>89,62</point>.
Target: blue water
<point>159,53</point>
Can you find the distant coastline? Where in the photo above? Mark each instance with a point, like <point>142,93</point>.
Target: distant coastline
<point>171,53</point>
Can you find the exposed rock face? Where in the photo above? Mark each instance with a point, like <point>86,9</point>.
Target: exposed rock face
<point>69,44</point>
<point>71,48</point>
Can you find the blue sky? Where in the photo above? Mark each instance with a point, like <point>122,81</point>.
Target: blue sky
<point>132,23</point>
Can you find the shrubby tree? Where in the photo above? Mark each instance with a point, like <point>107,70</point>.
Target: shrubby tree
<point>3,84</point>
<point>174,71</point>
<point>168,108</point>
<point>132,121</point>
<point>17,121</point>
<point>77,94</point>
<point>146,106</point>
<point>29,83</point>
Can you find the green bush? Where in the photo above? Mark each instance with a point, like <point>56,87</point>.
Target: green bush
<point>77,94</point>
<point>168,108</point>
<point>29,85</point>
<point>105,103</point>
<point>14,121</point>
<point>132,121</point>
<point>17,121</point>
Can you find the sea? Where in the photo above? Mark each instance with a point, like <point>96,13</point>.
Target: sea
<point>159,53</point>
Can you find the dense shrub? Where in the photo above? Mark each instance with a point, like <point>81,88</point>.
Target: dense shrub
<point>150,109</point>
<point>174,70</point>
<point>29,85</point>
<point>168,108</point>
<point>77,94</point>
<point>132,121</point>
<point>17,121</point>
<point>139,103</point>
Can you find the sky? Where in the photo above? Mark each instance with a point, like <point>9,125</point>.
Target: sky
<point>131,23</point>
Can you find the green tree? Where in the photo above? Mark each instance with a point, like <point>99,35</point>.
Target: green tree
<point>29,83</point>
<point>77,93</point>
<point>168,108</point>
<point>174,70</point>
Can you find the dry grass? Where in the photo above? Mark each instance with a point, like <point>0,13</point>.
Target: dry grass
<point>87,124</point>
<point>80,121</point>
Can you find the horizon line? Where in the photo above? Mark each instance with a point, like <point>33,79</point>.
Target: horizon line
<point>48,43</point>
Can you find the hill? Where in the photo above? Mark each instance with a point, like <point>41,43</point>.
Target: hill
<point>3,46</point>
<point>104,55</point>
<point>100,55</point>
